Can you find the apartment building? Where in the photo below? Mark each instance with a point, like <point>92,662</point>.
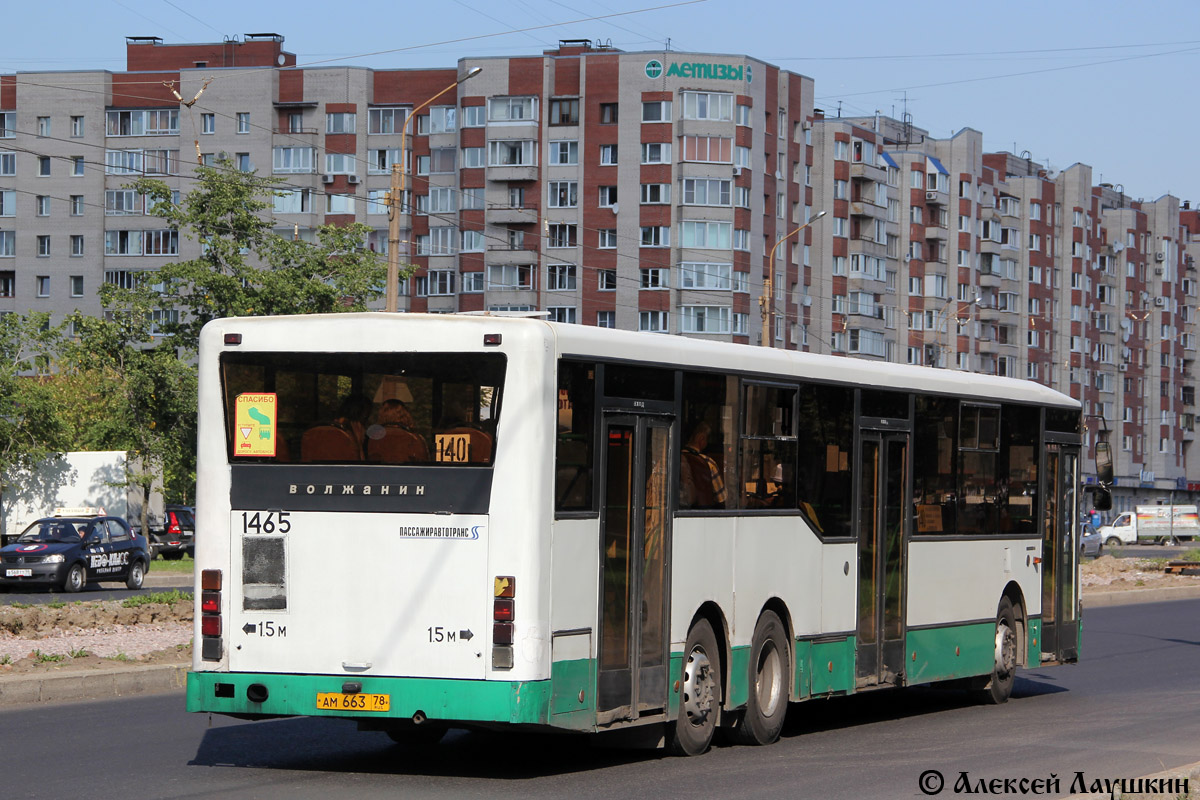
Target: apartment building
<point>655,191</point>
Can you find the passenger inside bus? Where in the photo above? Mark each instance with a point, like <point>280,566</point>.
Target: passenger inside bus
<point>392,439</point>
<point>701,484</point>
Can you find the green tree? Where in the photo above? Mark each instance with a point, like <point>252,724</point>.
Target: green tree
<point>146,402</point>
<point>246,268</point>
<point>31,430</point>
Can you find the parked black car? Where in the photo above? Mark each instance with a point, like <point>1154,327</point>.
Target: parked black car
<point>67,552</point>
<point>177,534</point>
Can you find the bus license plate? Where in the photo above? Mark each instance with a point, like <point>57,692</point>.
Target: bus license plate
<point>19,573</point>
<point>336,701</point>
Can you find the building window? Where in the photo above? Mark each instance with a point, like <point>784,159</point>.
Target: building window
<point>707,105</point>
<point>243,122</point>
<point>564,112</point>
<point>656,193</point>
<point>8,163</point>
<point>706,192</point>
<point>474,116</point>
<point>340,163</point>
<point>386,120</point>
<point>560,277</point>
<point>76,286</point>
<point>656,236</point>
<point>510,276</point>
<point>43,246</point>
<point>564,152</point>
<point>43,166</point>
<point>293,201</point>
<point>608,196</point>
<point>708,149</point>
<point>161,243</point>
<point>608,113</point>
<point>472,242</point>
<point>711,235</point>
<point>607,280</point>
<point>472,282</point>
<point>76,166</point>
<point>656,153</point>
<point>122,202</point>
<point>43,285</point>
<point>515,153</point>
<point>703,275</point>
<point>744,114</point>
<point>472,157</point>
<point>8,124</point>
<point>653,321</point>
<point>42,204</point>
<point>208,123</point>
<point>440,119</point>
<point>656,278</point>
<point>512,109</point>
<point>561,234</point>
<point>77,129</point>
<point>473,199</point>
<point>76,244</point>
<point>379,162</point>
<point>242,162</point>
<point>656,111</point>
<point>8,243</point>
<point>608,239</point>
<point>705,319</point>
<point>608,154</point>
<point>561,313</point>
<point>76,205</point>
<point>606,319</point>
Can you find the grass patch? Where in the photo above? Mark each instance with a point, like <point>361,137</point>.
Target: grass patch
<point>20,605</point>
<point>184,566</point>
<point>56,604</point>
<point>173,596</point>
<point>120,657</point>
<point>80,653</point>
<point>7,659</point>
<point>1153,563</point>
<point>1191,555</point>
<point>46,658</point>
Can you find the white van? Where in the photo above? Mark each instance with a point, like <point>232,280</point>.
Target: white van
<point>1145,524</point>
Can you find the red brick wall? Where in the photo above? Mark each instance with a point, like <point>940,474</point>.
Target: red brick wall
<point>144,90</point>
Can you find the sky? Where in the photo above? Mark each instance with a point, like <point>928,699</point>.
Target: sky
<point>1101,83</point>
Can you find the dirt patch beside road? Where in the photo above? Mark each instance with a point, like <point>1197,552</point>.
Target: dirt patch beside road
<point>1110,574</point>
<point>80,636</point>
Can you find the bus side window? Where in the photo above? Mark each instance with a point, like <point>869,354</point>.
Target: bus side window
<point>574,446</point>
<point>708,440</point>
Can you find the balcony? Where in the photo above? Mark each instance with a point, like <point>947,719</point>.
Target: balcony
<point>512,215</point>
<point>285,131</point>
<point>863,208</point>
<point>989,246</point>
<point>512,173</point>
<point>936,232</point>
<point>937,197</point>
<point>863,170</point>
<point>513,254</point>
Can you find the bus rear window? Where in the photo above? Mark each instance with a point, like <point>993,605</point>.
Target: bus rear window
<point>342,408</point>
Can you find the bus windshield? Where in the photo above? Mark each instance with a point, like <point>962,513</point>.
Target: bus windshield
<point>341,408</point>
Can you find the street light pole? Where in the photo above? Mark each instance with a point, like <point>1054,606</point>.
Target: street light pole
<point>766,302</point>
<point>396,196</point>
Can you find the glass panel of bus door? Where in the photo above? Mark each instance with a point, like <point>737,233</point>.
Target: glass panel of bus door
<point>1060,593</point>
<point>632,675</point>
<point>882,488</point>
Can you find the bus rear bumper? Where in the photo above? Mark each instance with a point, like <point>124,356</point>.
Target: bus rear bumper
<point>259,695</point>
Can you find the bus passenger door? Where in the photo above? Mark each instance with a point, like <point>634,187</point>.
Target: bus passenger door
<point>632,674</point>
<point>1060,554</point>
<point>882,488</point>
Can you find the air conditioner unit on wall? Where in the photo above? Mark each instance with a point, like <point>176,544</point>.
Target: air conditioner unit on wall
<point>327,178</point>
<point>352,179</point>
<point>1122,367</point>
<point>1161,302</point>
<point>1160,256</point>
<point>737,171</point>
<point>931,195</point>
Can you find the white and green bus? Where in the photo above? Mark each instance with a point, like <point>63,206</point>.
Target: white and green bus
<point>432,521</point>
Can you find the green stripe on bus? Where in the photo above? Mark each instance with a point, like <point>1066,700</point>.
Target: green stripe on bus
<point>831,667</point>
<point>937,654</point>
<point>573,694</point>
<point>1033,649</point>
<point>437,698</point>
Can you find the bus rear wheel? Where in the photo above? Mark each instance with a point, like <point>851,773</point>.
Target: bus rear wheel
<point>770,676</point>
<point>700,693</point>
<point>996,688</point>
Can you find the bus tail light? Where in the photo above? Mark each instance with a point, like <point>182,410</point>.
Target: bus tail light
<point>503,590</point>
<point>210,619</point>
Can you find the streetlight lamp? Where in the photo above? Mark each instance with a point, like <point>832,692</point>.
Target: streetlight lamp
<point>766,303</point>
<point>396,195</point>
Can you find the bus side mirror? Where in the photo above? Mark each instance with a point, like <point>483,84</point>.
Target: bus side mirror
<point>1104,464</point>
<point>1101,498</point>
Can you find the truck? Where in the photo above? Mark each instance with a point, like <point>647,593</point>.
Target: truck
<point>78,479</point>
<point>1165,524</point>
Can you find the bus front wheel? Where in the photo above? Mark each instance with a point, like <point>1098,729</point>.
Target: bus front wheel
<point>700,693</point>
<point>997,688</point>
<point>770,675</point>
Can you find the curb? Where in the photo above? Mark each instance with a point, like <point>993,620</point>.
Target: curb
<point>97,685</point>
<point>1136,596</point>
<point>170,579</point>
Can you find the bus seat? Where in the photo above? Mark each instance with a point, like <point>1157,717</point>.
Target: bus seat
<point>397,446</point>
<point>481,442</point>
<point>329,443</point>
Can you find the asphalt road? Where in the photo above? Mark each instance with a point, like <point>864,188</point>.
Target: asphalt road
<point>1129,709</point>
